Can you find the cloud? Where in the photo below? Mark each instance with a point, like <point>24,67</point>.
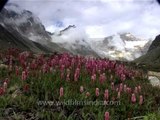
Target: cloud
<point>98,18</point>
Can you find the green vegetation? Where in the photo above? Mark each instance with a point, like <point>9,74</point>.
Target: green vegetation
<point>29,80</point>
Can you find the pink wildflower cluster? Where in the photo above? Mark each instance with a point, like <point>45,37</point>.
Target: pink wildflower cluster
<point>3,88</point>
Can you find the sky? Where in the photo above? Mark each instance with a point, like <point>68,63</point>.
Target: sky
<point>98,18</point>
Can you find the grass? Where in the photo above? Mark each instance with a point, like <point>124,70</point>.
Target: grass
<point>20,101</point>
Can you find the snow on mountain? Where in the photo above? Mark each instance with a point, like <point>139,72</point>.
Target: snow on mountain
<point>122,46</point>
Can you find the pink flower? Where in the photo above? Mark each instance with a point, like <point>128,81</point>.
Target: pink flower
<point>140,99</point>
<point>76,74</point>
<point>62,68</point>
<point>106,115</point>
<point>17,71</point>
<point>129,90</point>
<point>61,92</point>
<point>125,88</point>
<point>26,88</point>
<point>97,92</point>
<point>119,95</point>
<point>93,78</point>
<point>62,75</point>
<point>106,94</point>
<point>1,91</point>
<point>99,71</point>
<point>45,68</point>
<point>81,89</point>
<point>111,77</point>
<point>51,69</point>
<point>24,76</point>
<point>87,94</point>
<point>6,80</point>
<point>5,84</point>
<point>117,89</point>
<point>75,77</point>
<point>68,77</point>
<point>121,87</point>
<point>112,85</point>
<point>123,77</point>
<point>10,63</point>
<point>102,78</point>
<point>33,64</point>
<point>133,98</point>
<point>136,90</point>
<point>139,88</point>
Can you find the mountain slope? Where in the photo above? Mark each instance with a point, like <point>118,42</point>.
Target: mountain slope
<point>25,22</point>
<point>23,27</point>
<point>155,43</point>
<point>12,39</point>
<point>151,59</point>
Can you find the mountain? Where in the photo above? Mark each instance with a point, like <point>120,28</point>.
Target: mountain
<point>13,39</point>
<point>74,40</point>
<point>151,60</point>
<point>25,22</point>
<point>61,32</point>
<point>122,46</point>
<point>27,31</point>
<point>25,25</point>
<point>155,43</point>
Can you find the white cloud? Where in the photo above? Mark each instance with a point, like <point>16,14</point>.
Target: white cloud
<point>99,18</point>
<point>92,30</point>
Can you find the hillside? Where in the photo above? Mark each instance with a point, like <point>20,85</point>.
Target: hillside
<point>151,60</point>
<point>12,38</point>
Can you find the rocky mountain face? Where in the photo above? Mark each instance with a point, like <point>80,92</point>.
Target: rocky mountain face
<point>26,26</point>
<point>25,22</point>
<point>13,39</point>
<point>124,46</point>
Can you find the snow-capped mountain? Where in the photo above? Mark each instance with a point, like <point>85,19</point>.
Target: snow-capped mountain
<point>122,46</point>
<point>23,24</point>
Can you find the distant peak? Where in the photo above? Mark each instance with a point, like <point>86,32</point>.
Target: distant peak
<point>67,28</point>
<point>129,37</point>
